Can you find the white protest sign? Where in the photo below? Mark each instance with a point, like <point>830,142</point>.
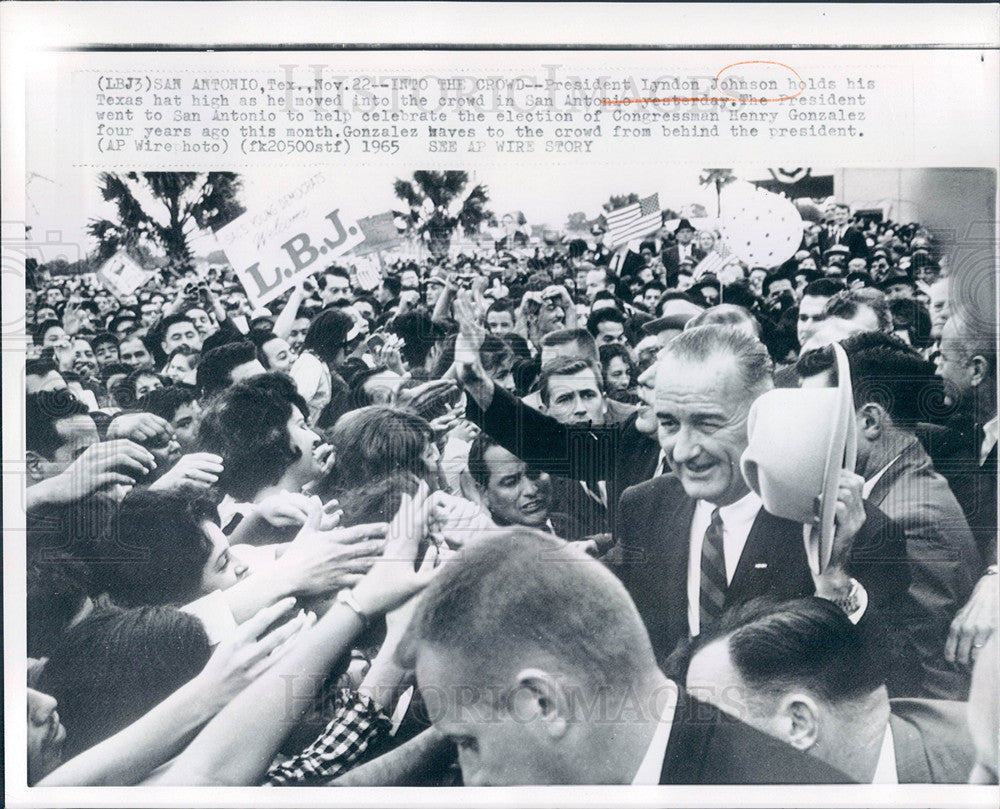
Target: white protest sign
<point>275,246</point>
<point>122,275</point>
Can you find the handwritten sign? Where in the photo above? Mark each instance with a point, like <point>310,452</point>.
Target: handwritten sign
<point>380,233</point>
<point>297,234</point>
<point>122,275</point>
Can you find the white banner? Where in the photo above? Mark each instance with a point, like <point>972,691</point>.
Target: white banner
<point>275,246</point>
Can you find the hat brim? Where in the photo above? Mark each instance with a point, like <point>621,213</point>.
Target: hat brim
<point>841,454</point>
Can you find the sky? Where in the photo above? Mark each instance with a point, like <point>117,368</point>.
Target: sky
<point>59,206</point>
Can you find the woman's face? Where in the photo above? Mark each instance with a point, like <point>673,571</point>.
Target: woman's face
<point>46,735</point>
<point>706,241</point>
<point>223,568</point>
<point>178,368</point>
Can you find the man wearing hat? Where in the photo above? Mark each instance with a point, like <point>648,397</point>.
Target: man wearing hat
<point>898,285</point>
<point>684,250</point>
<point>699,541</point>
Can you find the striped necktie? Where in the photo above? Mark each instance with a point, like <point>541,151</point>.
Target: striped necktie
<point>713,573</point>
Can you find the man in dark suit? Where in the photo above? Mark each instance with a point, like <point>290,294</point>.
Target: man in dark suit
<point>534,662</point>
<point>968,363</point>
<point>841,231</point>
<point>803,673</point>
<point>890,382</point>
<point>699,542</point>
<point>598,459</point>
<point>684,249</point>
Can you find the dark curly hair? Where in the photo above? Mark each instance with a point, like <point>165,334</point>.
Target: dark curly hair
<point>247,425</point>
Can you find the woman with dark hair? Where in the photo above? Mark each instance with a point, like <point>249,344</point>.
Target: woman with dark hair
<point>374,442</point>
<point>166,548</point>
<point>315,370</point>
<point>137,750</point>
<point>619,372</point>
<point>117,664</point>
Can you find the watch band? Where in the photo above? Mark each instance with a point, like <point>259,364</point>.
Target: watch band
<point>346,597</point>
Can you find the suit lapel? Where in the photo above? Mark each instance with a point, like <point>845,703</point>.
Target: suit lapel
<point>678,546</point>
<point>911,761</point>
<point>773,561</point>
<point>755,561</point>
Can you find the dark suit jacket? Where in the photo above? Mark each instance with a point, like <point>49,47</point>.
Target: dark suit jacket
<point>672,257</point>
<point>708,746</point>
<point>617,454</point>
<point>654,528</point>
<point>955,450</point>
<point>852,238</point>
<point>932,741</point>
<point>944,567</point>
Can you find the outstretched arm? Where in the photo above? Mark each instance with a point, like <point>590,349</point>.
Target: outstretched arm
<point>134,752</point>
<point>237,746</point>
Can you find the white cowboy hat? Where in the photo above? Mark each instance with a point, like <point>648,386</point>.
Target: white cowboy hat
<point>799,439</point>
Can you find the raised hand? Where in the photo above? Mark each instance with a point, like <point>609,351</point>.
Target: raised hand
<point>395,577</point>
<point>199,470</point>
<point>457,520</point>
<point>320,562</point>
<point>249,652</point>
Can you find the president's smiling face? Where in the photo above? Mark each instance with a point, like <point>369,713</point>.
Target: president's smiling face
<point>702,413</point>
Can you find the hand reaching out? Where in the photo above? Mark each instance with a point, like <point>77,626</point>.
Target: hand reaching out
<point>101,466</point>
<point>242,658</point>
<point>140,427</point>
<point>320,562</point>
<point>198,469</point>
<point>395,577</point>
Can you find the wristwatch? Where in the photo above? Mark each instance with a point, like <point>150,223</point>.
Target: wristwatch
<point>346,597</point>
<point>853,602</point>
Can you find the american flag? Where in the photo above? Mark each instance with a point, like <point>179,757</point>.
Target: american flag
<point>633,221</point>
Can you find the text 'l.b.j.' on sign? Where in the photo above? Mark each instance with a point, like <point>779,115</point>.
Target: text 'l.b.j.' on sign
<point>274,246</point>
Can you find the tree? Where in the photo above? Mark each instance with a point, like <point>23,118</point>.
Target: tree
<point>619,201</point>
<point>159,211</point>
<point>577,221</point>
<point>437,207</point>
<point>718,178</point>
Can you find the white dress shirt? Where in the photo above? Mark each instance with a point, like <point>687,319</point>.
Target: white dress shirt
<point>737,520</point>
<point>885,770</point>
<point>989,440</point>
<point>649,770</point>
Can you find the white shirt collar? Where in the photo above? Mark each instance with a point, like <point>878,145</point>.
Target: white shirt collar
<point>869,484</point>
<point>885,770</point>
<point>743,510</point>
<point>991,431</point>
<point>651,767</point>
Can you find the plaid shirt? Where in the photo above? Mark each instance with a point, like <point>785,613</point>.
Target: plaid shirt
<point>358,725</point>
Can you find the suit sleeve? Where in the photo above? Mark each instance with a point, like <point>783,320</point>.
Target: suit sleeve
<point>879,563</point>
<point>544,443</point>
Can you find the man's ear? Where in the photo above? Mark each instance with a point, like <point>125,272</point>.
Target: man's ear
<point>35,466</point>
<point>979,370</point>
<point>539,696</point>
<point>799,717</point>
<point>872,418</point>
<point>469,489</point>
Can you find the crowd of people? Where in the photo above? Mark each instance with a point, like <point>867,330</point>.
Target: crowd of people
<point>483,522</point>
